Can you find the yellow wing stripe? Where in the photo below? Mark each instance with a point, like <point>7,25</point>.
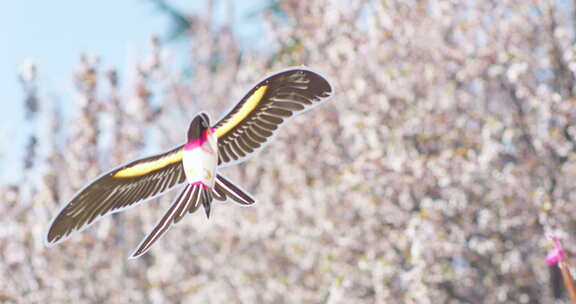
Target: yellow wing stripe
<point>244,111</point>
<point>153,165</point>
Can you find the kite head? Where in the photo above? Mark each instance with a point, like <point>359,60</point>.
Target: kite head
<point>200,123</point>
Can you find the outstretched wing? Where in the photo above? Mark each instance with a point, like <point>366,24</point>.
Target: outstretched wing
<point>116,190</point>
<point>255,119</point>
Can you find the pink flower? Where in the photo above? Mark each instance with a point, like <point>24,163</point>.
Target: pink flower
<point>556,255</point>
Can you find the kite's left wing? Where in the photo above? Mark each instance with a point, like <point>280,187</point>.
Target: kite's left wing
<point>116,190</point>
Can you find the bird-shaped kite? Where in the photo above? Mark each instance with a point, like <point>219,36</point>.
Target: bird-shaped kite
<point>247,128</point>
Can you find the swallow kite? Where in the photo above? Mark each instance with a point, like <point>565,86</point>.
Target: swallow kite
<point>247,128</point>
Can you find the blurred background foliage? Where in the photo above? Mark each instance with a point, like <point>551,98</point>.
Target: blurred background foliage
<point>431,177</point>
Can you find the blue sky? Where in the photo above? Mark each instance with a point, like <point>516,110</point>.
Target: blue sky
<point>55,33</point>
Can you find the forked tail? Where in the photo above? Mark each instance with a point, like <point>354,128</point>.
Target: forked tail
<point>225,189</point>
<point>188,201</point>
